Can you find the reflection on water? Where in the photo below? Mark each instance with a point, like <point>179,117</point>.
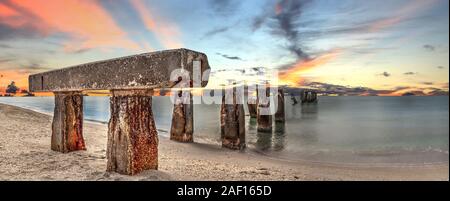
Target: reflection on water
<point>252,124</point>
<point>267,141</point>
<point>263,141</point>
<point>309,111</point>
<point>279,136</point>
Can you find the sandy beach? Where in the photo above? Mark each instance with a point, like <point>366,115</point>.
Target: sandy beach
<point>25,155</point>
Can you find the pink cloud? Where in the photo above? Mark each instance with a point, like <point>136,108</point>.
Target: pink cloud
<point>87,24</point>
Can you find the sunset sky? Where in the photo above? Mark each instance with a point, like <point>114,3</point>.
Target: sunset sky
<point>384,45</point>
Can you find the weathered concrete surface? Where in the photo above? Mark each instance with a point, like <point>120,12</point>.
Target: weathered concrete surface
<point>232,119</point>
<point>143,71</point>
<point>182,129</point>
<point>280,114</point>
<point>67,126</point>
<point>132,136</point>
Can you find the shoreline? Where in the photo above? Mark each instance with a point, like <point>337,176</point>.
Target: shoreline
<point>25,154</point>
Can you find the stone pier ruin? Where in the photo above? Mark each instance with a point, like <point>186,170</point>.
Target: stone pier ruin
<point>264,120</point>
<point>279,115</point>
<point>308,96</point>
<point>232,119</point>
<point>182,129</point>
<point>132,135</point>
<point>67,126</point>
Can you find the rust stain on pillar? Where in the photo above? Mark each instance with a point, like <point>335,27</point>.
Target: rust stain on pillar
<point>132,136</point>
<point>67,126</point>
<point>232,119</point>
<point>280,114</point>
<point>182,120</point>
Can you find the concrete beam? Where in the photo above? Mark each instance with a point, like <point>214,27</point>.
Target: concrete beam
<point>142,71</point>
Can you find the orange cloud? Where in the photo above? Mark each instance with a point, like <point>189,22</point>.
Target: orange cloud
<point>5,11</point>
<point>86,22</point>
<point>293,76</point>
<point>166,32</point>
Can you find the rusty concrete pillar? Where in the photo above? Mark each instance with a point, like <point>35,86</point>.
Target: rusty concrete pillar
<point>232,120</point>
<point>264,120</point>
<point>280,114</point>
<point>132,136</point>
<point>182,129</point>
<point>314,96</point>
<point>303,96</point>
<point>252,103</point>
<point>252,108</point>
<point>67,126</point>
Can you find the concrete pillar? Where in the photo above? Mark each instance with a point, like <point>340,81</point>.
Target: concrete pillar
<point>280,114</point>
<point>309,97</point>
<point>252,110</point>
<point>264,120</point>
<point>67,126</point>
<point>314,96</point>
<point>132,136</point>
<point>182,129</point>
<point>303,96</point>
<point>252,104</point>
<point>232,119</point>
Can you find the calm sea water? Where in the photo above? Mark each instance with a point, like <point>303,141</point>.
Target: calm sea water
<point>351,130</point>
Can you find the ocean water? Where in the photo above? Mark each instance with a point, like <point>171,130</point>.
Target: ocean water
<point>349,130</point>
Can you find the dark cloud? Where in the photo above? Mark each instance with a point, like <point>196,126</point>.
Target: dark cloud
<point>427,83</point>
<point>284,23</point>
<point>401,88</point>
<point>215,31</point>
<point>5,46</point>
<point>410,73</point>
<point>81,50</point>
<point>287,18</point>
<point>440,67</point>
<point>229,57</point>
<point>224,7</point>
<point>429,47</point>
<point>367,50</point>
<point>29,29</point>
<point>258,22</point>
<point>8,33</point>
<point>385,74</point>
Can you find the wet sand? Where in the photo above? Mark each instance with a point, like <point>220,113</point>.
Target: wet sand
<point>25,155</point>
